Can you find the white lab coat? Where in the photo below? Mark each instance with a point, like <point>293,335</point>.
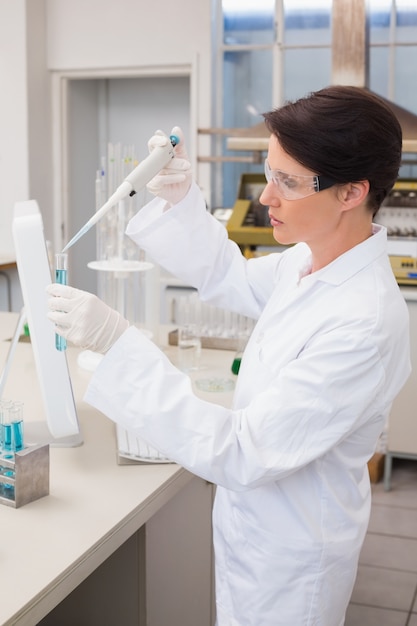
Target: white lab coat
<point>328,355</point>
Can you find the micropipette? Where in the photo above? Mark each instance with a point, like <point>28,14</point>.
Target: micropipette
<point>136,180</point>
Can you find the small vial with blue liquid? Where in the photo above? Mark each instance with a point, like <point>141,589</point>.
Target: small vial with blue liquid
<point>61,268</point>
<point>11,441</point>
<point>11,428</point>
<point>16,420</point>
<point>5,428</point>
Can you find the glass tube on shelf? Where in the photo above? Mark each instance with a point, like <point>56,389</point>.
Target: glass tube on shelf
<point>61,269</point>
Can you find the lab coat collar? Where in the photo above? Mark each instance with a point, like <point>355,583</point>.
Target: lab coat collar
<point>352,261</point>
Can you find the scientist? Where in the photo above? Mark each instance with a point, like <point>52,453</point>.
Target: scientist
<point>327,357</point>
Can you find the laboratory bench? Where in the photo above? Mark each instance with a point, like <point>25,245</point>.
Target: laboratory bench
<point>112,543</point>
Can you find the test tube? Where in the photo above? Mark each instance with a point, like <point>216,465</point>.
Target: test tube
<point>16,419</point>
<point>6,428</point>
<point>1,427</point>
<point>61,267</point>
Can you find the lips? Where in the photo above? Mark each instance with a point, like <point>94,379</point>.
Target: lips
<point>274,221</point>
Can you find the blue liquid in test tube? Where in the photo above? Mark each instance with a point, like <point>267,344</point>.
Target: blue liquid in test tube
<point>61,261</point>
<point>17,435</point>
<point>16,421</point>
<point>5,430</point>
<point>7,436</point>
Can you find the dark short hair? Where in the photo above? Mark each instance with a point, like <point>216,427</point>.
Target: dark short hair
<point>346,133</point>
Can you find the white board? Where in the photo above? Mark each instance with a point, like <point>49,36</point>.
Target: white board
<point>51,364</point>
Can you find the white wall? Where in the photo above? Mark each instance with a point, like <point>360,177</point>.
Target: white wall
<point>39,111</point>
<point>128,36</point>
<point>126,33</point>
<point>24,111</point>
<point>14,167</point>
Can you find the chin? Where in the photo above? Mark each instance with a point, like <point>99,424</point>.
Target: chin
<point>282,239</point>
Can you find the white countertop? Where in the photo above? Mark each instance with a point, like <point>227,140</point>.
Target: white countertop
<point>49,546</point>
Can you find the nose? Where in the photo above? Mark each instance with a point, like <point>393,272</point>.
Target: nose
<point>269,196</point>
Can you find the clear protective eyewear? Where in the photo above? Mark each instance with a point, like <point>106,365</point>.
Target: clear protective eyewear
<point>296,186</point>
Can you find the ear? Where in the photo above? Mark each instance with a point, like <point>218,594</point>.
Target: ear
<point>354,194</point>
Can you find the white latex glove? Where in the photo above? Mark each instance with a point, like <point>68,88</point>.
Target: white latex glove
<point>83,319</point>
<point>173,182</point>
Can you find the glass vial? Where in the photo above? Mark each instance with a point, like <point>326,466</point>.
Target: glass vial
<point>16,420</point>
<point>6,428</point>
<point>61,268</point>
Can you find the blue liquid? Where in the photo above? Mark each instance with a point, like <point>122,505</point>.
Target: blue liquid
<point>61,278</point>
<point>7,437</point>
<point>8,490</point>
<point>17,434</point>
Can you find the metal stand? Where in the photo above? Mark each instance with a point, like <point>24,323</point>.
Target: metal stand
<point>25,476</point>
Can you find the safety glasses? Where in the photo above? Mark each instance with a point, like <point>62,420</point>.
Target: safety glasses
<point>294,186</point>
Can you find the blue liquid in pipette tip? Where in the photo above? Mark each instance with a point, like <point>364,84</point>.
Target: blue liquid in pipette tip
<point>61,278</point>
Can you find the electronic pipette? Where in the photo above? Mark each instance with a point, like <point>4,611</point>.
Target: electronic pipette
<point>136,180</point>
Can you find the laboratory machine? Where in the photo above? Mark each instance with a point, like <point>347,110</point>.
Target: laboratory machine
<point>398,214</point>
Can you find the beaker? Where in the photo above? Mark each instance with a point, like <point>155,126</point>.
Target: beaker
<point>189,333</point>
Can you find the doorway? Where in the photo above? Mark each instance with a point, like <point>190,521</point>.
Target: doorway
<point>96,111</point>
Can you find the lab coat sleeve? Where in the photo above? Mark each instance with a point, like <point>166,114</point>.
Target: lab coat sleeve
<point>301,415</point>
<point>138,388</point>
<point>191,244</point>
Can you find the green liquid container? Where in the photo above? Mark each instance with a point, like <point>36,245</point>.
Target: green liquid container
<point>236,364</point>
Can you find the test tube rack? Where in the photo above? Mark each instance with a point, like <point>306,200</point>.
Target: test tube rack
<point>24,477</point>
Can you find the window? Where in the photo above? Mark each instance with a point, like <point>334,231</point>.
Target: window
<point>262,49</point>
<point>268,51</point>
<point>393,58</point>
<point>393,50</point>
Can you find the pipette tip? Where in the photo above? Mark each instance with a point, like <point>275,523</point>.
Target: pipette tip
<point>68,245</point>
<point>174,139</point>
<point>76,237</point>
